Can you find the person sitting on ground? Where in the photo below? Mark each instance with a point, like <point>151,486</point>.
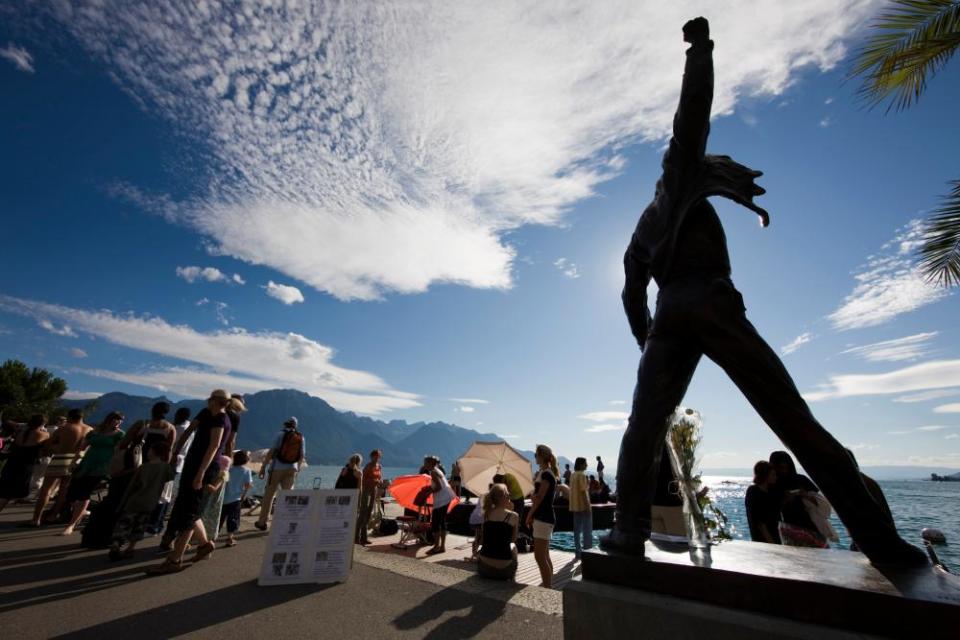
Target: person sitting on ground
<point>284,459</point>
<point>64,444</point>
<point>210,431</point>
<point>22,458</point>
<point>370,483</point>
<point>580,508</point>
<point>350,475</point>
<point>94,468</point>
<point>442,497</point>
<point>238,483</point>
<point>763,508</point>
<point>497,556</point>
<point>541,518</point>
<point>797,529</point>
<point>140,499</point>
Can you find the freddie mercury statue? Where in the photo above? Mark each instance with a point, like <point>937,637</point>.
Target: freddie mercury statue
<point>679,241</point>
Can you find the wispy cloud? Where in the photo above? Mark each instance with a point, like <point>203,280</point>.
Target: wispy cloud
<point>567,268</point>
<point>466,409</point>
<point>618,402</point>
<point>365,148</point>
<point>603,416</point>
<point>889,284</point>
<point>285,293</point>
<point>63,330</point>
<point>470,400</point>
<point>797,342</point>
<point>78,353</point>
<point>926,396</point>
<point>19,56</point>
<point>209,274</point>
<point>600,428</point>
<point>219,308</point>
<point>951,436</point>
<point>81,395</point>
<point>825,122</point>
<point>906,348</point>
<point>936,374</point>
<point>924,429</point>
<point>236,359</point>
<point>948,408</point>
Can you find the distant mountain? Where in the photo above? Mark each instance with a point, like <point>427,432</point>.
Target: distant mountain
<point>331,435</point>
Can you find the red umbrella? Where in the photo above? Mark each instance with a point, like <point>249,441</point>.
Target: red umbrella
<point>405,488</point>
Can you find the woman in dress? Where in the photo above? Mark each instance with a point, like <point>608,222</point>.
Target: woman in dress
<point>24,455</point>
<point>351,475</point>
<point>497,557</point>
<point>95,466</point>
<point>541,518</point>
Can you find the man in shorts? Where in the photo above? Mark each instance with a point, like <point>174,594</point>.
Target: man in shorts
<point>64,445</point>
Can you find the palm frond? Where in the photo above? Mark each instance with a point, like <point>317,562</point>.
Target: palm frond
<point>913,40</point>
<point>940,251</point>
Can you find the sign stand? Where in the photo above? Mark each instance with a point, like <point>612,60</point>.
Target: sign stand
<point>311,537</point>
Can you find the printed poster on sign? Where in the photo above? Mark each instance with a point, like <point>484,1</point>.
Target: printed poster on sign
<point>311,537</point>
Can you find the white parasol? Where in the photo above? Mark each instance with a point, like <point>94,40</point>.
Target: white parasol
<point>256,460</point>
<point>483,460</point>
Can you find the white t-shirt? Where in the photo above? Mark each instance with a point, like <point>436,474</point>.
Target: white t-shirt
<point>442,497</point>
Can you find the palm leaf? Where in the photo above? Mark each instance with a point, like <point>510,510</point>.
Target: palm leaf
<point>940,252</point>
<point>914,39</point>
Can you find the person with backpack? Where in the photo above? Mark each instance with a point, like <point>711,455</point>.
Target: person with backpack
<point>285,459</point>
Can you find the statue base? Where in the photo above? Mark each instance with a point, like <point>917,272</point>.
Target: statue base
<point>743,588</point>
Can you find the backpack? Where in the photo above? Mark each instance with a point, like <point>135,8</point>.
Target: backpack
<point>289,450</point>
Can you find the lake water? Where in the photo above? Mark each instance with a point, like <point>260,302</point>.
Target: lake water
<point>916,504</point>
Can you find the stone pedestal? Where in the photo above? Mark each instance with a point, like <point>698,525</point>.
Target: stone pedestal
<point>750,590</point>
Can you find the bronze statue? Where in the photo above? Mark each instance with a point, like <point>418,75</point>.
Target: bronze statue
<point>679,241</point>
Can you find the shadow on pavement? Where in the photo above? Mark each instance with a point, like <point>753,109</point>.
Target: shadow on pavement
<point>480,611</point>
<point>206,610</point>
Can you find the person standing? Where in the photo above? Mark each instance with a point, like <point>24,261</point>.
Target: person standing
<point>139,500</point>
<point>95,466</point>
<point>211,432</point>
<point>237,406</point>
<point>442,497</point>
<point>763,508</point>
<point>46,456</point>
<point>789,492</point>
<point>285,459</point>
<point>24,455</point>
<point>64,444</point>
<point>580,508</point>
<point>541,518</point>
<point>238,483</point>
<point>181,422</point>
<point>372,475</point>
<point>567,473</point>
<point>600,469</point>
<point>351,475</point>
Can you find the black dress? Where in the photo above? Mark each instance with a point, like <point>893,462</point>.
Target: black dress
<point>347,479</point>
<point>17,472</point>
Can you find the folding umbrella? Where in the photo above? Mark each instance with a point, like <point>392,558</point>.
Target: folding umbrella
<point>405,488</point>
<point>483,460</point>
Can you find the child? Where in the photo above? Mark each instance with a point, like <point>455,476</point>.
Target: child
<point>140,499</point>
<point>238,483</point>
<point>213,499</point>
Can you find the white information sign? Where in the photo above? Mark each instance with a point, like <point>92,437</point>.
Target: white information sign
<point>311,537</point>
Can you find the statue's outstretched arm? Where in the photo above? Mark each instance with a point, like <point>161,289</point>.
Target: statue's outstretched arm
<point>691,123</point>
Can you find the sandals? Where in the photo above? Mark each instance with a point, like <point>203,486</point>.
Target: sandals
<point>165,567</point>
<point>204,551</point>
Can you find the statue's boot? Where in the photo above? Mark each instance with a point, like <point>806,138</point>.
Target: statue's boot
<point>891,551</point>
<point>623,542</point>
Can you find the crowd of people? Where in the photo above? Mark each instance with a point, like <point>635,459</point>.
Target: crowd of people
<point>183,480</point>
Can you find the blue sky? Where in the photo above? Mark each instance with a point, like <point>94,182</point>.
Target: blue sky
<point>424,227</point>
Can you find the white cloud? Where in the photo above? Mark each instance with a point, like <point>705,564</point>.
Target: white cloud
<point>935,374</point>
<point>600,428</point>
<point>828,101</point>
<point>469,400</point>
<point>862,446</point>
<point>951,436</point>
<point>926,428</point>
<point>906,348</point>
<point>19,56</point>
<point>618,402</point>
<point>466,409</point>
<point>285,293</point>
<point>364,148</point>
<point>825,122</point>
<point>603,416</point>
<point>889,284</point>
<point>235,359</point>
<point>948,408</point>
<point>925,396</point>
<point>210,274</point>
<point>567,268</point>
<point>81,395</point>
<point>797,342</point>
<point>63,330</point>
<point>78,353</point>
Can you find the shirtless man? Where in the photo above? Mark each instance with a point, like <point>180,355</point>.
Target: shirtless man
<point>64,444</point>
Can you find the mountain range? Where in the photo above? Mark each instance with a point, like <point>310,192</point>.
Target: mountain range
<point>331,435</point>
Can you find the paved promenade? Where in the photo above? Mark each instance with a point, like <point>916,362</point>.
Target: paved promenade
<point>52,588</point>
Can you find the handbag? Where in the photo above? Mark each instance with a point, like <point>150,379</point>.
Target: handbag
<point>131,458</point>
